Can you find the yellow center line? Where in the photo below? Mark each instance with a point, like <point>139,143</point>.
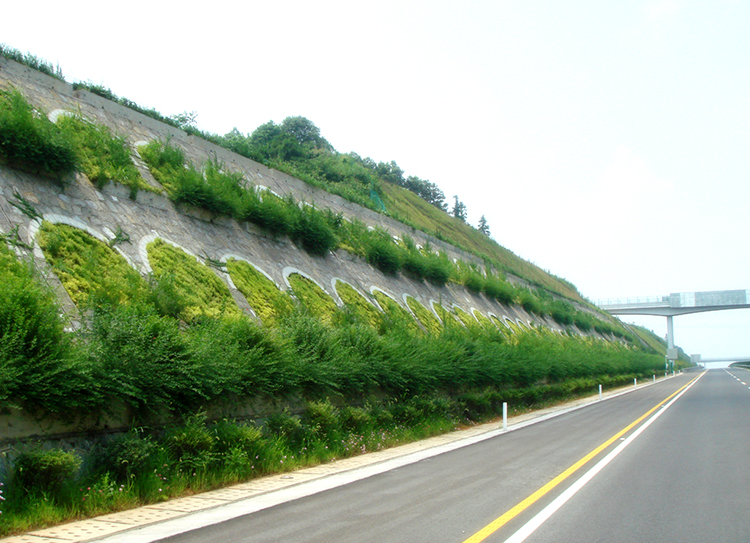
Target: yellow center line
<point>506,517</point>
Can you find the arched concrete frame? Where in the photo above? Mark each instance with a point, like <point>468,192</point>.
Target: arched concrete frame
<point>225,258</point>
<point>382,309</point>
<point>143,252</point>
<point>289,270</point>
<point>334,280</point>
<point>451,310</point>
<point>107,237</point>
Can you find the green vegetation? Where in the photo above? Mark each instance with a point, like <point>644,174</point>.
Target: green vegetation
<point>396,314</point>
<point>228,194</point>
<point>29,141</point>
<point>32,61</point>
<point>78,260</point>
<point>313,298</point>
<point>268,302</point>
<point>202,293</point>
<point>103,157</point>
<point>425,316</point>
<point>358,304</point>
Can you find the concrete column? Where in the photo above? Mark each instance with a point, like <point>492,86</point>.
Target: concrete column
<point>670,332</point>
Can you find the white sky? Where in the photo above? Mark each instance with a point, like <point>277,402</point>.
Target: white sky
<point>607,142</point>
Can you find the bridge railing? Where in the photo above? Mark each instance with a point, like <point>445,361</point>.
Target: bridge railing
<point>640,300</point>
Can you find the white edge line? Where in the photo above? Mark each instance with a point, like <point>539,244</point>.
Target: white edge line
<point>527,529</point>
<point>194,521</point>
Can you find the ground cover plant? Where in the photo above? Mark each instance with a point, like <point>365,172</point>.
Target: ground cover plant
<point>103,157</point>
<point>202,293</point>
<point>29,141</point>
<point>314,299</point>
<point>268,302</point>
<point>358,304</point>
<point>78,259</point>
<point>424,315</point>
<point>365,387</point>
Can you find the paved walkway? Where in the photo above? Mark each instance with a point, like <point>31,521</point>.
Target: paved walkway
<point>114,523</point>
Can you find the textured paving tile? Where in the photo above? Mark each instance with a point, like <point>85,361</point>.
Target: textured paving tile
<point>229,494</point>
<point>26,538</point>
<point>142,515</point>
<point>189,504</point>
<point>80,531</point>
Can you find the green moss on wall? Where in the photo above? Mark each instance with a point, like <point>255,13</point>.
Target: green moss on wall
<point>268,302</point>
<point>313,298</point>
<point>396,313</point>
<point>202,292</point>
<point>428,320</point>
<point>80,261</point>
<point>358,305</point>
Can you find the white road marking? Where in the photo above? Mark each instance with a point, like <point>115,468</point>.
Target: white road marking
<point>529,528</point>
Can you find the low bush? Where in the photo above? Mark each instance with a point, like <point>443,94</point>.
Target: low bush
<point>44,471</point>
<point>30,141</point>
<point>103,156</point>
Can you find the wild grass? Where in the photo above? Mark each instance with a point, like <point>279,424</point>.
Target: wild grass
<point>29,141</point>
<point>103,156</point>
<point>268,302</point>
<point>201,291</point>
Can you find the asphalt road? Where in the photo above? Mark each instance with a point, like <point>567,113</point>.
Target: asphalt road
<point>681,479</point>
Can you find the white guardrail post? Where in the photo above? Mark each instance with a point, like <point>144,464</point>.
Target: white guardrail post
<point>505,416</point>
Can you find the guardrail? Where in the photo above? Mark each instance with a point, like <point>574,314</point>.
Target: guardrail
<point>641,300</point>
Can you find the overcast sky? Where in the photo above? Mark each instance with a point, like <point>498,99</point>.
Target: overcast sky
<point>606,142</point>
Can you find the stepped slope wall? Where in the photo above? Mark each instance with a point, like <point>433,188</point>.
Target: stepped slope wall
<point>151,215</point>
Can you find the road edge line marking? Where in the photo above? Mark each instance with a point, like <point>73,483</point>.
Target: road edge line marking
<point>516,510</point>
<point>527,529</point>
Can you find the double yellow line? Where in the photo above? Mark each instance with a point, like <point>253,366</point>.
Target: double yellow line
<point>509,515</point>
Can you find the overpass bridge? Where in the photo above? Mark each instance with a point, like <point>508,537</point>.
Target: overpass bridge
<point>679,303</point>
<point>698,359</point>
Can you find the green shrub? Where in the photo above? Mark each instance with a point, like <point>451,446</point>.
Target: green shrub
<point>192,445</point>
<point>382,253</point>
<point>36,356</point>
<point>29,141</point>
<point>286,427</point>
<point>45,471</point>
<point>103,157</point>
<point>129,455</point>
<point>312,231</point>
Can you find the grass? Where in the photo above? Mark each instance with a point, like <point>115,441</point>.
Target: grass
<point>78,260</point>
<point>424,315</point>
<point>313,298</point>
<point>103,156</point>
<point>268,302</point>
<point>30,142</point>
<point>201,291</point>
<point>358,304</point>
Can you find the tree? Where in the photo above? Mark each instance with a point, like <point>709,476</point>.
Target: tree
<point>484,228</point>
<point>305,132</point>
<point>459,209</point>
